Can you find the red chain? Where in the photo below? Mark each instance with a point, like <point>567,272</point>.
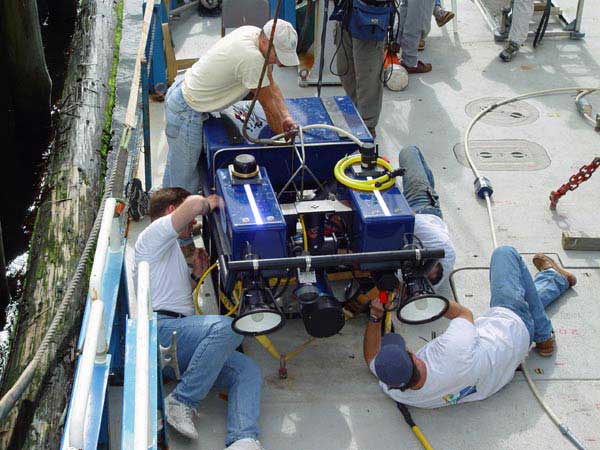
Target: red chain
<point>583,175</point>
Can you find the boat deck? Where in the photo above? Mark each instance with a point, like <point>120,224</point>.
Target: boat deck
<point>330,400</point>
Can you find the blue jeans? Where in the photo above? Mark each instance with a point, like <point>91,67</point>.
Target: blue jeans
<point>185,138</point>
<point>207,357</point>
<point>513,288</point>
<point>418,184</point>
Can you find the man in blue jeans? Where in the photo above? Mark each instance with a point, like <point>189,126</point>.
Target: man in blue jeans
<point>205,344</point>
<point>473,359</point>
<point>418,186</point>
<point>227,73</point>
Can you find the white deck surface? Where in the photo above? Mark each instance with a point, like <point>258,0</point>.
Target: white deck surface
<point>330,400</point>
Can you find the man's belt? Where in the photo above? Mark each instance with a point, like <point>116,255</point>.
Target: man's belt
<point>164,312</point>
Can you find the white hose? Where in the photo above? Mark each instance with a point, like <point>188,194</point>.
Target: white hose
<point>277,138</point>
<point>582,92</point>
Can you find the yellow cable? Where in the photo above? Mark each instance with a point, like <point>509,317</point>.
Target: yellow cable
<point>304,235</point>
<point>196,293</point>
<point>421,437</point>
<point>362,185</point>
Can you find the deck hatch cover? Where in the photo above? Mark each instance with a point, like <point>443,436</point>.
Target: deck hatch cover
<point>504,154</point>
<point>510,115</point>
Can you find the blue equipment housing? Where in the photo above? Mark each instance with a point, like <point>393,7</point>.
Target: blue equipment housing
<point>383,220</point>
<point>252,217</point>
<point>324,148</point>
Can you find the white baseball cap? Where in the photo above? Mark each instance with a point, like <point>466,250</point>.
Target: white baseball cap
<point>284,41</point>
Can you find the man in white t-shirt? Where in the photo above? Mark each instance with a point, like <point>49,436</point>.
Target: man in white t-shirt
<point>418,186</point>
<point>206,345</point>
<point>224,75</point>
<point>473,359</point>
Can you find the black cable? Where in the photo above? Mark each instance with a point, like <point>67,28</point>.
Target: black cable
<point>541,29</point>
<point>323,38</point>
<point>285,286</point>
<point>260,80</point>
<point>406,413</point>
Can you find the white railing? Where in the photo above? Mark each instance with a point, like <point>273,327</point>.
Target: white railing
<point>141,426</point>
<point>95,346</point>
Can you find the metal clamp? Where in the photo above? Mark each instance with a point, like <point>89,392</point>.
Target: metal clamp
<point>168,356</point>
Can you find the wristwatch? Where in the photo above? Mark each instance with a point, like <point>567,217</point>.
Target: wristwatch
<point>373,318</point>
<point>196,278</point>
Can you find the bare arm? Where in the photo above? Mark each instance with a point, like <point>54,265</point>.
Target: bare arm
<point>192,206</point>
<point>272,101</point>
<point>457,310</point>
<point>372,340</point>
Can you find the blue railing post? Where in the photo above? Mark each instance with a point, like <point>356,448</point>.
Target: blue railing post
<point>146,126</point>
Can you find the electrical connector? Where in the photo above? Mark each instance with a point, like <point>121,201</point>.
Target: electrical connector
<point>483,186</point>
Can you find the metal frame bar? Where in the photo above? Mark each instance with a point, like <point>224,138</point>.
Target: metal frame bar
<point>141,427</point>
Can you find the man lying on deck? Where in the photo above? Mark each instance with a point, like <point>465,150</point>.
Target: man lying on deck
<point>473,359</point>
<point>224,75</point>
<point>205,344</point>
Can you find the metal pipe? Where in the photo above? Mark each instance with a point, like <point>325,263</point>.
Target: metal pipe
<point>307,262</point>
<point>141,427</point>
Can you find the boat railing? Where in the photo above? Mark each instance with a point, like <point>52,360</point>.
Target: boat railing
<point>142,429</point>
<point>95,346</point>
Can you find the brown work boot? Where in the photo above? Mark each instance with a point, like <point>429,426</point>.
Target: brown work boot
<point>545,348</point>
<point>544,262</point>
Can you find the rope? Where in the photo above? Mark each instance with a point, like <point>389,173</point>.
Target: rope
<point>555,419</point>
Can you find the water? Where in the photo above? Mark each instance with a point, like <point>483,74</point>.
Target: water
<point>24,153</point>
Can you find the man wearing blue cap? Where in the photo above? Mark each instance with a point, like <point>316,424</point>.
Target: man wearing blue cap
<point>473,359</point>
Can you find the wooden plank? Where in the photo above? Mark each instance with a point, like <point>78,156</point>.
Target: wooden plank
<point>137,71</point>
<point>183,64</point>
<point>578,240</point>
<point>169,54</point>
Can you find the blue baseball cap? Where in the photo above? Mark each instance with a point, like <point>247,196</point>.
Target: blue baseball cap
<point>393,365</point>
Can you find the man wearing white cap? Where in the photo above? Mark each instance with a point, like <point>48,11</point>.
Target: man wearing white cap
<point>224,75</point>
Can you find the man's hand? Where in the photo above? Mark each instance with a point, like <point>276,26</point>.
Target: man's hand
<point>200,262</point>
<point>214,201</point>
<point>377,308</point>
<point>290,127</point>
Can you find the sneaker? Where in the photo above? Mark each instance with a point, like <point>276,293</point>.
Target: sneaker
<point>246,444</point>
<point>546,348</point>
<point>442,17</point>
<point>509,52</point>
<point>543,262</point>
<point>180,416</point>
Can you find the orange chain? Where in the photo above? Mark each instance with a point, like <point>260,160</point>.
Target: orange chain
<point>584,174</point>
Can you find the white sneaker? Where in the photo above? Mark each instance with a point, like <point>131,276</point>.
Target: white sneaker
<point>180,416</point>
<point>246,444</point>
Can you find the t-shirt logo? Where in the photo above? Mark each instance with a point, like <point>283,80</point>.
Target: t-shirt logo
<point>453,399</point>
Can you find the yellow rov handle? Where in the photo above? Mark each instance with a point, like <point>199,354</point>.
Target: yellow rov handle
<point>380,183</point>
<point>422,439</point>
